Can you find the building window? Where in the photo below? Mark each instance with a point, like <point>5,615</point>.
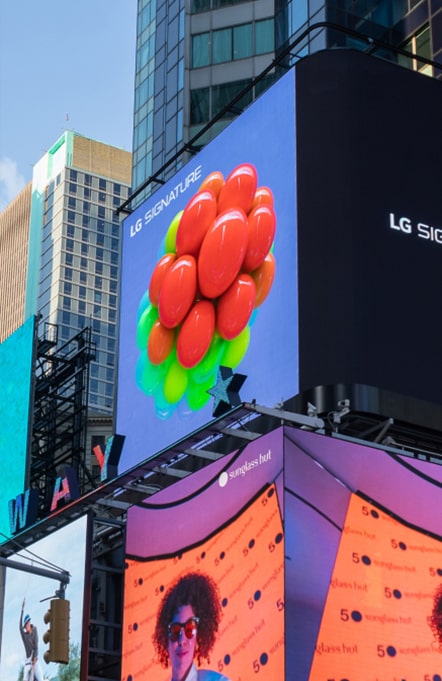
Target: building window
<point>200,105</point>
<point>242,41</point>
<point>200,50</point>
<point>420,45</point>
<point>235,42</point>
<point>102,184</point>
<point>264,36</point>
<point>222,46</point>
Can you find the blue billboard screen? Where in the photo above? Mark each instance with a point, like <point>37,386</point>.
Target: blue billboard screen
<point>209,279</point>
<point>16,354</point>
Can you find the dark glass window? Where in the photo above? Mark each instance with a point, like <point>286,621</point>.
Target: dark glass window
<point>70,230</point>
<point>101,212</point>
<point>264,36</point>
<point>101,196</point>
<point>87,193</point>
<point>72,202</point>
<point>98,268</point>
<point>222,45</point>
<point>68,273</point>
<point>200,50</point>
<point>71,216</point>
<point>223,94</point>
<point>70,245</point>
<point>73,175</point>
<point>87,180</point>
<point>243,41</point>
<point>200,106</point>
<point>117,188</point>
<point>102,184</point>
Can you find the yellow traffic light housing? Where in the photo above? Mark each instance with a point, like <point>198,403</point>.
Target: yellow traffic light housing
<point>57,636</point>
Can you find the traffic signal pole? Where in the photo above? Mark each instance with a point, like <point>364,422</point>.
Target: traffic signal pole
<point>63,576</point>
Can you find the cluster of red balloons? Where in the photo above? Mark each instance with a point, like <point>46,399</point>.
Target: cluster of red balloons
<point>216,270</point>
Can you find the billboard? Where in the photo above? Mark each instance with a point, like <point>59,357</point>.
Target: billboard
<point>26,594</point>
<point>321,564</point>
<point>363,553</point>
<point>216,539</point>
<point>369,226</point>
<point>16,371</point>
<point>209,279</point>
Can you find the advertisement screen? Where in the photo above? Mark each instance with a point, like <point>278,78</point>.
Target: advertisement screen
<point>209,279</point>
<point>369,225</point>
<point>16,354</point>
<point>326,556</point>
<point>28,596</point>
<point>208,554</point>
<point>363,562</point>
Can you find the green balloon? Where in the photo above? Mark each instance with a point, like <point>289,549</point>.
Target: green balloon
<point>210,362</point>
<point>175,382</point>
<point>196,394</point>
<point>149,376</point>
<point>235,349</point>
<point>170,241</point>
<point>163,408</point>
<point>147,320</point>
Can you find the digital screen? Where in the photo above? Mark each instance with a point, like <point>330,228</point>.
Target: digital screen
<point>213,543</point>
<point>363,561</point>
<point>209,279</point>
<point>27,594</point>
<point>369,228</point>
<point>332,547</point>
<point>16,354</point>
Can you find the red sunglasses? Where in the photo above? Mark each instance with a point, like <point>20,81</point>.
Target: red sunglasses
<point>189,627</point>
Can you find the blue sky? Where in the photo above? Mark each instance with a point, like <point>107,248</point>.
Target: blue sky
<point>63,66</point>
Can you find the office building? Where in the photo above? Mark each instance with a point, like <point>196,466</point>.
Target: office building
<point>69,236</point>
<point>14,240</point>
<point>193,59</point>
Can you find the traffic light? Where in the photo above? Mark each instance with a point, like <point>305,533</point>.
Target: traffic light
<point>57,636</point>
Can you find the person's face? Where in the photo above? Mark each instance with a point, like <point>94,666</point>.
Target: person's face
<point>28,627</point>
<point>182,650</point>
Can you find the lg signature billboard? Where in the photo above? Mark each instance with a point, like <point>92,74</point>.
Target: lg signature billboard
<point>209,280</point>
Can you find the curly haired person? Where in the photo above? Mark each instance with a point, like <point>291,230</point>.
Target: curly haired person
<point>186,627</point>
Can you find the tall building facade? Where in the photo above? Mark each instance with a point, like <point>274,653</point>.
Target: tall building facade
<point>14,241</point>
<point>71,273</point>
<point>193,58</point>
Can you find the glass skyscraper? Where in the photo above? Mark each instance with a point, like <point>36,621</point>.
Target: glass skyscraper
<point>192,60</point>
<point>74,249</point>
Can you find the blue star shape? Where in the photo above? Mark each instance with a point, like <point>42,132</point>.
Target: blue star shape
<point>225,392</point>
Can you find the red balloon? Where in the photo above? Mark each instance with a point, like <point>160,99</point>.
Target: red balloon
<point>235,307</point>
<point>178,291</point>
<point>195,334</point>
<point>196,219</point>
<point>214,182</point>
<point>222,253</point>
<point>239,189</point>
<point>263,277</point>
<point>261,231</point>
<point>263,195</point>
<point>158,275</point>
<point>160,343</point>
